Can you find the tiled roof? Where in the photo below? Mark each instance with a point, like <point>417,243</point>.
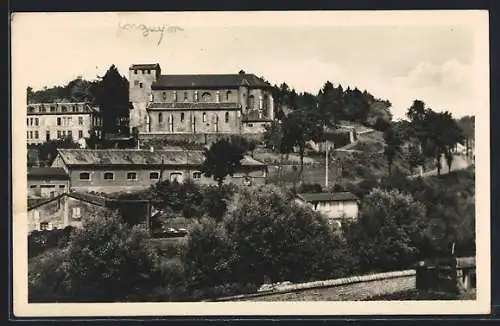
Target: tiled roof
<point>145,66</point>
<point>325,196</point>
<point>47,172</point>
<point>212,80</point>
<point>193,105</point>
<point>89,198</point>
<point>137,157</point>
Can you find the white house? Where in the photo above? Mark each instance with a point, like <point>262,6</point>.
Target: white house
<point>335,206</point>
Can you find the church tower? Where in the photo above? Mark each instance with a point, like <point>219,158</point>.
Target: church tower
<point>141,76</point>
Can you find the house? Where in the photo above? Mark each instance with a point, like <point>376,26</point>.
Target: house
<point>127,170</point>
<point>69,208</point>
<point>47,182</point>
<point>336,206</point>
<point>197,104</point>
<point>49,121</point>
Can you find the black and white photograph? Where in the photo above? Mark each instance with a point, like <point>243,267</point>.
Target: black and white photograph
<point>240,163</point>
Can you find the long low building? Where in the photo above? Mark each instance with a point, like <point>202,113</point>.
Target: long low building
<point>126,170</point>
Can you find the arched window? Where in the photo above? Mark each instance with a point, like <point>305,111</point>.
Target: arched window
<point>182,116</point>
<point>228,96</point>
<point>171,122</point>
<point>251,102</point>
<point>226,117</point>
<point>206,97</point>
<point>164,96</point>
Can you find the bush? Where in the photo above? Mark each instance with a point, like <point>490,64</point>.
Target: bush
<point>265,238</point>
<point>109,261</point>
<point>47,276</point>
<point>389,232</point>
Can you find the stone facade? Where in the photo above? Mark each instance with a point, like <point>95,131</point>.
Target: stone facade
<point>132,170</point>
<point>60,212</point>
<point>197,104</point>
<point>49,121</point>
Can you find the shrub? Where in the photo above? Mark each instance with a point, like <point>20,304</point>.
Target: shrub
<point>47,276</point>
<point>389,231</point>
<point>109,261</point>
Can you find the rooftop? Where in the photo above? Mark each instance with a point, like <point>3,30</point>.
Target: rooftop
<point>208,80</point>
<point>47,172</point>
<point>327,196</point>
<point>119,157</point>
<point>144,66</point>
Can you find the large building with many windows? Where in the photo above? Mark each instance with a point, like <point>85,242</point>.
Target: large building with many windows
<point>48,121</point>
<point>238,103</point>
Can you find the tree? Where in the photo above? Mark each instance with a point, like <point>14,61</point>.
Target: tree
<point>109,261</point>
<point>48,150</point>
<point>300,127</point>
<point>330,104</point>
<point>113,99</point>
<point>389,231</point>
<point>393,141</point>
<point>222,159</point>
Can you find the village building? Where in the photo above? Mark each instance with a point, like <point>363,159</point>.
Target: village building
<point>128,170</point>
<point>46,182</point>
<point>69,208</point>
<point>239,103</point>
<point>49,121</point>
<point>336,206</point>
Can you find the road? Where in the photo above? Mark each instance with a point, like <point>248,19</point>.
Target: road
<point>460,162</point>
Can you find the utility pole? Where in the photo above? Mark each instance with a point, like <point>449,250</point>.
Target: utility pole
<point>326,165</point>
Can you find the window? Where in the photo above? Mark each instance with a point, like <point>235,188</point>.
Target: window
<point>143,71</point>
<point>164,94</point>
<point>204,117</point>
<point>206,97</point>
<point>136,83</point>
<point>64,108</point>
<point>131,176</point>
<point>27,135</point>
<point>31,121</point>
<point>135,71</point>
<point>58,121</point>
<point>148,71</point>
<point>218,96</point>
<point>44,226</point>
<point>76,213</point>
<point>33,186</point>
<point>160,117</point>
<point>226,117</point>
<point>140,85</point>
<point>185,96</point>
<point>52,108</point>
<point>31,134</point>
<point>36,121</point>
<point>27,121</point>
<point>73,108</point>
<point>228,96</point>
<point>47,135</point>
<point>175,177</point>
<point>171,123</point>
<point>64,133</point>
<point>175,96</point>
<point>42,108</point>
<point>80,134</point>
<point>62,186</point>
<point>80,121</point>
<point>196,175</point>
<point>182,116</point>
<point>84,176</point>
<point>59,134</point>
<point>109,176</point>
<point>70,134</point>
<point>36,134</point>
<point>68,121</point>
<point>251,102</point>
<point>154,175</point>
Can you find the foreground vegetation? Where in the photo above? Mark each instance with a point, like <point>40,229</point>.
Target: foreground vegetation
<point>255,236</point>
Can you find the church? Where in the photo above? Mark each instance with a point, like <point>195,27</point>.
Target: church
<point>212,104</point>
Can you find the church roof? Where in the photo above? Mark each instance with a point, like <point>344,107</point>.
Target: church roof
<point>208,81</point>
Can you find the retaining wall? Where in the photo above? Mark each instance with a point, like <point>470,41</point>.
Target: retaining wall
<point>344,289</point>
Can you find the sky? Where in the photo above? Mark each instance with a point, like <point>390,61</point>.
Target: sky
<point>399,57</point>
